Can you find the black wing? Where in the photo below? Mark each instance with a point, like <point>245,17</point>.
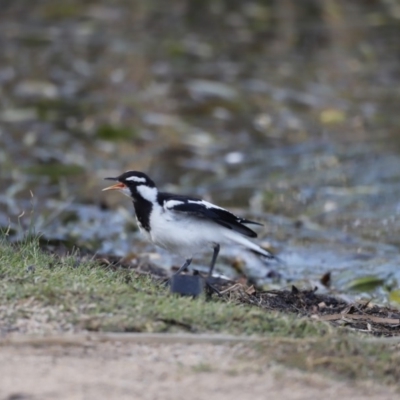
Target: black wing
<point>204,209</point>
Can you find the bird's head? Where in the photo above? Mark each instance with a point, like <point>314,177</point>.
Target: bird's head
<point>134,184</point>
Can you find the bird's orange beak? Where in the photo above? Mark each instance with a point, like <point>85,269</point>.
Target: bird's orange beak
<point>117,186</point>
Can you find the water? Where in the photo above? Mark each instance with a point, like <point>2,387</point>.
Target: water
<point>283,112</point>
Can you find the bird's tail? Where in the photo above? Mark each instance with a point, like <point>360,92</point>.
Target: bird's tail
<point>239,239</point>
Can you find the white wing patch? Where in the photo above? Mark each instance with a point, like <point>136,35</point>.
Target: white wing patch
<point>148,193</point>
<point>136,179</point>
<point>172,203</point>
<point>205,204</point>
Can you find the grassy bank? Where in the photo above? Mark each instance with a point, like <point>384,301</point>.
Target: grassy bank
<point>81,294</point>
<point>45,293</point>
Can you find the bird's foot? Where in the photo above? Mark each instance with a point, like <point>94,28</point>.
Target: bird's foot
<point>210,289</point>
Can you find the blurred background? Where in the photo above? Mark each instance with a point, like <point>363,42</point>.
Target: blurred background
<point>285,111</point>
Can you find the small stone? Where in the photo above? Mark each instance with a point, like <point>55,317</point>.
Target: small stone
<point>187,285</point>
<point>36,89</point>
<point>13,115</point>
<point>200,89</point>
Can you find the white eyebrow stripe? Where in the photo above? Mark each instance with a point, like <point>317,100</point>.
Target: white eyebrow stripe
<point>172,203</point>
<point>136,179</point>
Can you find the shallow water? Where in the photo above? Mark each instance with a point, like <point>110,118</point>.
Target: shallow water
<point>284,113</point>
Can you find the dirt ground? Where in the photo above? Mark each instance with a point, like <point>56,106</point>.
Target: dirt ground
<point>160,370</point>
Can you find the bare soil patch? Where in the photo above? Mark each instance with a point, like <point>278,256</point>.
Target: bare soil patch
<point>161,371</point>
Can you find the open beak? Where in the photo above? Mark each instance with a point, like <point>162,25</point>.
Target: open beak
<point>117,186</point>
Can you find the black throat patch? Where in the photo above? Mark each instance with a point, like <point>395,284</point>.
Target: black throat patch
<point>143,210</point>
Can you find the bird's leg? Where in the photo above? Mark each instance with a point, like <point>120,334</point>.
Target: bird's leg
<point>184,266</point>
<point>210,287</point>
<point>213,260</point>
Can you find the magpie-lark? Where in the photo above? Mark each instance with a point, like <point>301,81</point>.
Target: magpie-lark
<point>183,224</point>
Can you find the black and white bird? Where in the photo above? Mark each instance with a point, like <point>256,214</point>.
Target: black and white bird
<point>181,224</point>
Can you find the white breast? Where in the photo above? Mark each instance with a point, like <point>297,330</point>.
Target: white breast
<point>182,234</point>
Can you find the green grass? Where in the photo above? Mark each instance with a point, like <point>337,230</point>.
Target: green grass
<point>40,292</point>
<point>85,295</point>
